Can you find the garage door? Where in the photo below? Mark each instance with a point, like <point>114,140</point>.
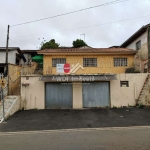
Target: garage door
<point>58,95</point>
<point>96,94</point>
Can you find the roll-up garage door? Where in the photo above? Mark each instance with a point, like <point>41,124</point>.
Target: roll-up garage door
<point>58,95</point>
<point>96,94</point>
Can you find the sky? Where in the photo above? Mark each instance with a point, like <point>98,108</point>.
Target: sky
<point>103,26</point>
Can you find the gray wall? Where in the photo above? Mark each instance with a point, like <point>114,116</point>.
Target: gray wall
<point>11,57</point>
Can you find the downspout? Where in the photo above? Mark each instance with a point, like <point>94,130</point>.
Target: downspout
<point>135,93</point>
<point>8,68</point>
<point>148,47</point>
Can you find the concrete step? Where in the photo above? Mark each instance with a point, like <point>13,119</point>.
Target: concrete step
<point>8,102</point>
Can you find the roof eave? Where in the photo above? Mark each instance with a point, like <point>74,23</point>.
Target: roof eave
<point>88,53</point>
<point>135,35</point>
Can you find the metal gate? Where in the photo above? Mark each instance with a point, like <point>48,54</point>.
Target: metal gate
<point>96,94</point>
<point>58,95</point>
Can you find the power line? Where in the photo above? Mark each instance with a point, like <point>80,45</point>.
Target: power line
<point>109,3</point>
<point>92,25</point>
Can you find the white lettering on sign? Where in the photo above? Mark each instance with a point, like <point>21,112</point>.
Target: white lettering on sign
<point>81,78</point>
<point>66,79</point>
<point>60,79</point>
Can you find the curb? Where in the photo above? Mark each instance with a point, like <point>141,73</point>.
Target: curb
<point>75,130</point>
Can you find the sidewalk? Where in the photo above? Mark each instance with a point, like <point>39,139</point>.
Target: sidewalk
<point>33,120</point>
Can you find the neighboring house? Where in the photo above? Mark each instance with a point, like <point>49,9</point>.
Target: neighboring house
<point>79,78</point>
<point>140,42</point>
<point>32,65</point>
<point>14,57</point>
<point>28,54</point>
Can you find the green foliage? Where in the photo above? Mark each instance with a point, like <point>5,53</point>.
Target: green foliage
<point>136,71</point>
<point>79,43</point>
<point>131,70</point>
<point>141,106</point>
<point>114,107</point>
<point>50,44</point>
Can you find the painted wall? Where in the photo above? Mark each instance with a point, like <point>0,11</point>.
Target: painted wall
<point>105,64</point>
<point>77,95</point>
<point>143,39</point>
<point>124,96</point>
<point>141,58</point>
<point>33,96</point>
<point>11,57</point>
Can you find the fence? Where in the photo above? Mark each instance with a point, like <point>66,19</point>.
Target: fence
<point>14,86</point>
<point>14,80</point>
<point>5,88</point>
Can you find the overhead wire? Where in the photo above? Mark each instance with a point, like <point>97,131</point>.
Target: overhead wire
<point>105,4</point>
<point>107,23</point>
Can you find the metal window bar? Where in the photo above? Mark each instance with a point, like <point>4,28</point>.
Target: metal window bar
<point>56,61</point>
<point>120,62</point>
<point>89,62</point>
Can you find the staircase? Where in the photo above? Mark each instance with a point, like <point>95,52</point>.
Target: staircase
<point>144,96</point>
<point>11,105</point>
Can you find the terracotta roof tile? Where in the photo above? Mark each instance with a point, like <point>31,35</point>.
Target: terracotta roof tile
<point>87,50</point>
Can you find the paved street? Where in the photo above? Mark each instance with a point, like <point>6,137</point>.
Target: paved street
<point>34,120</point>
<point>100,139</point>
<point>89,129</point>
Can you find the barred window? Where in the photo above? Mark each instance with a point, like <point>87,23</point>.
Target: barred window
<point>120,62</point>
<point>124,83</point>
<point>56,61</point>
<point>89,62</point>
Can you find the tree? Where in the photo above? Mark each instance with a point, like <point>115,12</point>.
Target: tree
<point>79,43</point>
<point>50,44</point>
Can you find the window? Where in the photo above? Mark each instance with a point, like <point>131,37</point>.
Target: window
<point>120,62</point>
<point>56,61</point>
<point>124,83</point>
<point>138,45</point>
<point>89,62</point>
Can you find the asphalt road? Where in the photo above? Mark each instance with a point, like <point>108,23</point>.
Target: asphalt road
<point>100,139</point>
<point>34,120</point>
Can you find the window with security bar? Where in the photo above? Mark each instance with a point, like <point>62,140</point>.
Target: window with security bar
<point>56,61</point>
<point>124,83</point>
<point>119,62</point>
<point>89,62</point>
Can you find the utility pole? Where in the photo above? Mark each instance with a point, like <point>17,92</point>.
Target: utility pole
<point>7,43</point>
<point>5,71</point>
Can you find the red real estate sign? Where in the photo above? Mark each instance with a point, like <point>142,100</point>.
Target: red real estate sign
<point>66,68</point>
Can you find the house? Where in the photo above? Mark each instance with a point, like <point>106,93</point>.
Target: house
<point>28,54</point>
<point>140,42</point>
<point>83,78</point>
<point>94,60</point>
<point>14,57</point>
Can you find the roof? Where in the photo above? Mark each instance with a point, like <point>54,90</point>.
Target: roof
<point>3,49</point>
<point>87,51</point>
<point>9,48</point>
<point>29,51</point>
<point>135,35</point>
<point>114,47</point>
